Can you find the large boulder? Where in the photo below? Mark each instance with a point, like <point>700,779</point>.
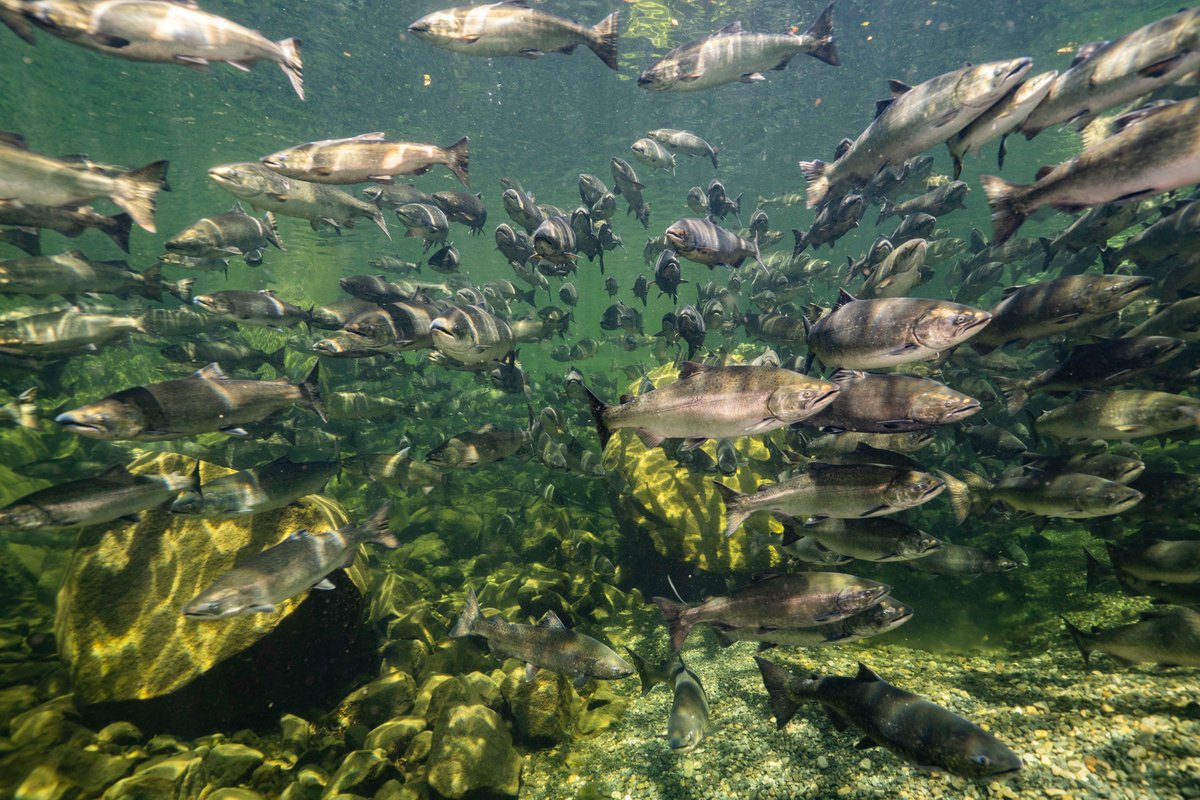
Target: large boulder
<point>472,750</point>
<point>133,655</point>
<point>678,508</point>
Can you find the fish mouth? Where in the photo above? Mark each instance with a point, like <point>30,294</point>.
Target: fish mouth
<point>1137,286</point>
<point>1019,66</point>
<point>271,161</point>
<point>965,410</point>
<point>75,425</point>
<point>978,322</point>
<point>419,27</point>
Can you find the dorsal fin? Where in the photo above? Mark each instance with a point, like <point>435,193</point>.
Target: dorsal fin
<point>898,88</point>
<point>865,675</point>
<point>378,136</point>
<point>14,140</point>
<point>519,4</point>
<point>689,368</point>
<point>551,620</point>
<point>1011,290</point>
<point>882,106</point>
<point>117,474</point>
<point>212,372</point>
<point>1043,171</point>
<point>844,297</point>
<point>267,292</point>
<point>733,27</point>
<point>1086,51</point>
<point>843,146</point>
<point>847,375</point>
<point>237,208</point>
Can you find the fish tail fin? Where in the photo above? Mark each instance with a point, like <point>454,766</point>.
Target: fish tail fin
<point>801,242</point>
<point>1016,393</point>
<point>776,679</point>
<point>376,215</point>
<point>272,231</point>
<point>460,157</point>
<point>181,288</point>
<point>713,155</point>
<point>1110,257</point>
<point>377,529</point>
<point>886,209</point>
<point>118,228</point>
<point>960,496</point>
<point>152,282</point>
<point>470,617</point>
<point>818,184</point>
<point>735,514</point>
<point>598,407</point>
<point>603,40</point>
<point>1080,638</point>
<point>291,64</point>
<point>1093,570</point>
<point>678,627</point>
<point>311,392</point>
<point>1001,198</point>
<point>135,192</point>
<point>958,165</point>
<point>28,241</point>
<point>645,673</point>
<point>822,31</point>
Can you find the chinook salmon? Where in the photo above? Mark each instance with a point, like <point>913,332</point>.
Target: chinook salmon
<point>715,403</point>
<point>1153,150</point>
<point>548,644</point>
<point>913,120</point>
<point>39,180</point>
<point>512,28</point>
<point>258,583</point>
<point>367,157</point>
<point>919,732</point>
<point>732,54</point>
<point>164,32</point>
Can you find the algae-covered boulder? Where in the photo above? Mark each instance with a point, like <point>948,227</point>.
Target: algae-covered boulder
<point>125,641</point>
<point>678,507</point>
<point>545,708</point>
<point>472,750</point>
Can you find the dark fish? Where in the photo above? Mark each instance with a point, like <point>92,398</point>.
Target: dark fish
<point>919,732</point>
<point>235,233</point>
<point>1170,639</point>
<point>891,403</point>
<point>113,495</point>
<point>253,491</point>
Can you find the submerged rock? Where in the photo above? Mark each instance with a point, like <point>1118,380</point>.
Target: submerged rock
<point>545,708</point>
<point>471,750</point>
<point>133,655</point>
<point>378,701</point>
<point>361,773</point>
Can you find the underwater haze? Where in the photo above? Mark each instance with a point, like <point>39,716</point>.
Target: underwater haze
<point>388,411</point>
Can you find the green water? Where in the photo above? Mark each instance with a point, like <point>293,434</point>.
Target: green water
<point>541,539</point>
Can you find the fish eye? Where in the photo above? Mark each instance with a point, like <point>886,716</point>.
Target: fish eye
<point>961,319</point>
<point>982,760</point>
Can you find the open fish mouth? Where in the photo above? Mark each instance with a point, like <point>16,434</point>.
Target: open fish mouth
<point>70,423</point>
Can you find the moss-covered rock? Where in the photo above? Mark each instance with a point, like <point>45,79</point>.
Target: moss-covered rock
<point>545,708</point>
<point>472,750</point>
<point>377,701</point>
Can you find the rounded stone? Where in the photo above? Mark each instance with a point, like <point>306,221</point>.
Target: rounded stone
<point>378,701</point>
<point>472,750</point>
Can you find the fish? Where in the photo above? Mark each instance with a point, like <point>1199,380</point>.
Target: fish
<point>688,723</point>
<point>626,183</point>
<point>667,274</point>
<point>679,141</point>
<point>111,496</point>
<point>470,334</point>
<point>833,222</point>
<point>234,355</point>
<point>1104,75</point>
<point>208,400</point>
<point>962,561</point>
<point>401,469</point>
<point>546,645</point>
<point>937,202</point>
<point>464,208</point>
<point>234,233</point>
<point>1093,366</point>
<point>1161,560</point>
<point>870,334</point>
<point>367,157</point>
<point>899,272</point>
<point>23,409</point>
<point>40,180</point>
<point>255,491</point>
<point>705,242</point>
<point>886,615</point>
<point>891,403</point>
<point>1152,150</point>
<point>912,728</point>
<point>775,600</point>
<point>731,55</point>
<point>1068,495</point>
<point>513,28</point>
<point>878,539</point>
<point>428,223</point>
<point>1004,117</point>
<point>260,308</point>
<point>840,491</point>
<point>715,403</point>
<point>258,583</point>
<point>1121,415</point>
<point>554,241</point>
<point>165,32</point>
<point>393,264</point>
<point>69,222</point>
<point>71,274</point>
<point>653,155</point>
<point>1170,638</point>
<point>913,120</point>
<point>482,446</point>
<point>267,190</point>
<point>619,316</point>
<point>394,195</point>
